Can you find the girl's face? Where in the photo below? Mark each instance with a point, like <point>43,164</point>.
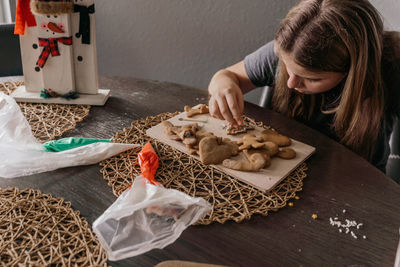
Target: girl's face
<point>309,82</point>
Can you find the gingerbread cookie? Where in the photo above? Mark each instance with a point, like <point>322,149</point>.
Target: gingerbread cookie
<point>273,136</point>
<point>184,133</point>
<point>264,152</point>
<point>238,129</point>
<point>250,141</point>
<point>253,163</point>
<point>190,112</point>
<point>187,133</point>
<point>213,150</point>
<point>170,130</point>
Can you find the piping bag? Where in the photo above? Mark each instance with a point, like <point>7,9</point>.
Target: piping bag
<point>70,143</point>
<point>148,162</point>
<point>146,215</point>
<point>21,154</point>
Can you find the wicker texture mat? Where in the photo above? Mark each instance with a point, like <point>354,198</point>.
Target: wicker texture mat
<point>48,121</point>
<point>230,198</point>
<point>39,230</point>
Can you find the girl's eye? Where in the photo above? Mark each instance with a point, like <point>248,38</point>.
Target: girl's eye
<point>61,26</point>
<point>313,80</point>
<point>43,25</point>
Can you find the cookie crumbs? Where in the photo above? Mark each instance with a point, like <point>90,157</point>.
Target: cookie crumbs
<point>314,216</point>
<point>290,204</point>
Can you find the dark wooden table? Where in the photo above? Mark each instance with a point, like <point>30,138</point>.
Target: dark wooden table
<point>337,180</point>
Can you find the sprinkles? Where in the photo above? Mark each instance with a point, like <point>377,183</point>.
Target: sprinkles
<point>238,129</point>
<point>348,226</point>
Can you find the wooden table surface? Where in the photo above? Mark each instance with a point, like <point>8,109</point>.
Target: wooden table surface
<point>337,180</point>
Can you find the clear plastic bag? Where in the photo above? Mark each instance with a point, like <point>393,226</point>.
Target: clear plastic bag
<point>146,216</point>
<point>21,154</point>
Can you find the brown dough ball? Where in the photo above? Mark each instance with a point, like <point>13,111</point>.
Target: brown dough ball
<point>287,153</point>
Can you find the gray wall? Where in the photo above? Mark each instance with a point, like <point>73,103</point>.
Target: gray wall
<point>187,41</point>
<point>183,41</point>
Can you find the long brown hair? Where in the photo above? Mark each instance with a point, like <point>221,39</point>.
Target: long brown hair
<point>336,36</point>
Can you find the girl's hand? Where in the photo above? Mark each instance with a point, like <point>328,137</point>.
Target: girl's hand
<point>226,98</point>
<point>226,91</point>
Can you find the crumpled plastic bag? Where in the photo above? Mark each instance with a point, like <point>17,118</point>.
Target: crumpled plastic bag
<point>146,215</point>
<point>21,154</point>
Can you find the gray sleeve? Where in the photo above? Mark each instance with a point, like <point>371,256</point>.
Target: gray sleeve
<point>398,97</point>
<point>261,65</point>
<point>396,90</point>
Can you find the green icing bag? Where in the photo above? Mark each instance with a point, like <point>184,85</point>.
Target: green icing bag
<point>70,142</point>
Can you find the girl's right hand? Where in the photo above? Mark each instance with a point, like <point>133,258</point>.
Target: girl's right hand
<point>226,98</point>
<point>226,93</point>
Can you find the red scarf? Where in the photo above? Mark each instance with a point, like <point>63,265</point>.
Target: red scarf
<point>23,16</point>
<point>51,46</point>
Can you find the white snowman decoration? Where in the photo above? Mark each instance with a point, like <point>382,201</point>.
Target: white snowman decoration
<point>58,51</point>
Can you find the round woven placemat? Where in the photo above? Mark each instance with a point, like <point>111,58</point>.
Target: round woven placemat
<point>230,198</point>
<point>39,230</point>
<point>48,121</point>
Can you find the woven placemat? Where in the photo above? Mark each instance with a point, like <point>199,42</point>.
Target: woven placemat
<point>230,198</point>
<point>39,230</point>
<point>48,121</point>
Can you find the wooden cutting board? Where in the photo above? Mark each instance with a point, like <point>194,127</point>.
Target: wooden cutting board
<point>265,179</point>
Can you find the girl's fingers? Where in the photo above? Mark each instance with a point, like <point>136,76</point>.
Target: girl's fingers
<point>234,108</point>
<point>214,110</point>
<point>240,102</point>
<point>225,111</point>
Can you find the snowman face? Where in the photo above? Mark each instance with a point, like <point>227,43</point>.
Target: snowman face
<point>52,26</point>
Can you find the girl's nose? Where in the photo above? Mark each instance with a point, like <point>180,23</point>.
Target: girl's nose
<point>294,81</point>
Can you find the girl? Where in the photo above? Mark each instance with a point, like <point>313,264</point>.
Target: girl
<point>331,66</point>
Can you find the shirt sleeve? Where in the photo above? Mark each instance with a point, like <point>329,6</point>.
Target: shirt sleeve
<point>261,65</point>
<point>398,100</point>
<point>396,90</point>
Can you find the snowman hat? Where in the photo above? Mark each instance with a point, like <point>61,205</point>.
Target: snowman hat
<point>52,7</point>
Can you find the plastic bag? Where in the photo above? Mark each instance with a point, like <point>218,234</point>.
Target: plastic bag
<point>146,216</point>
<point>21,154</point>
